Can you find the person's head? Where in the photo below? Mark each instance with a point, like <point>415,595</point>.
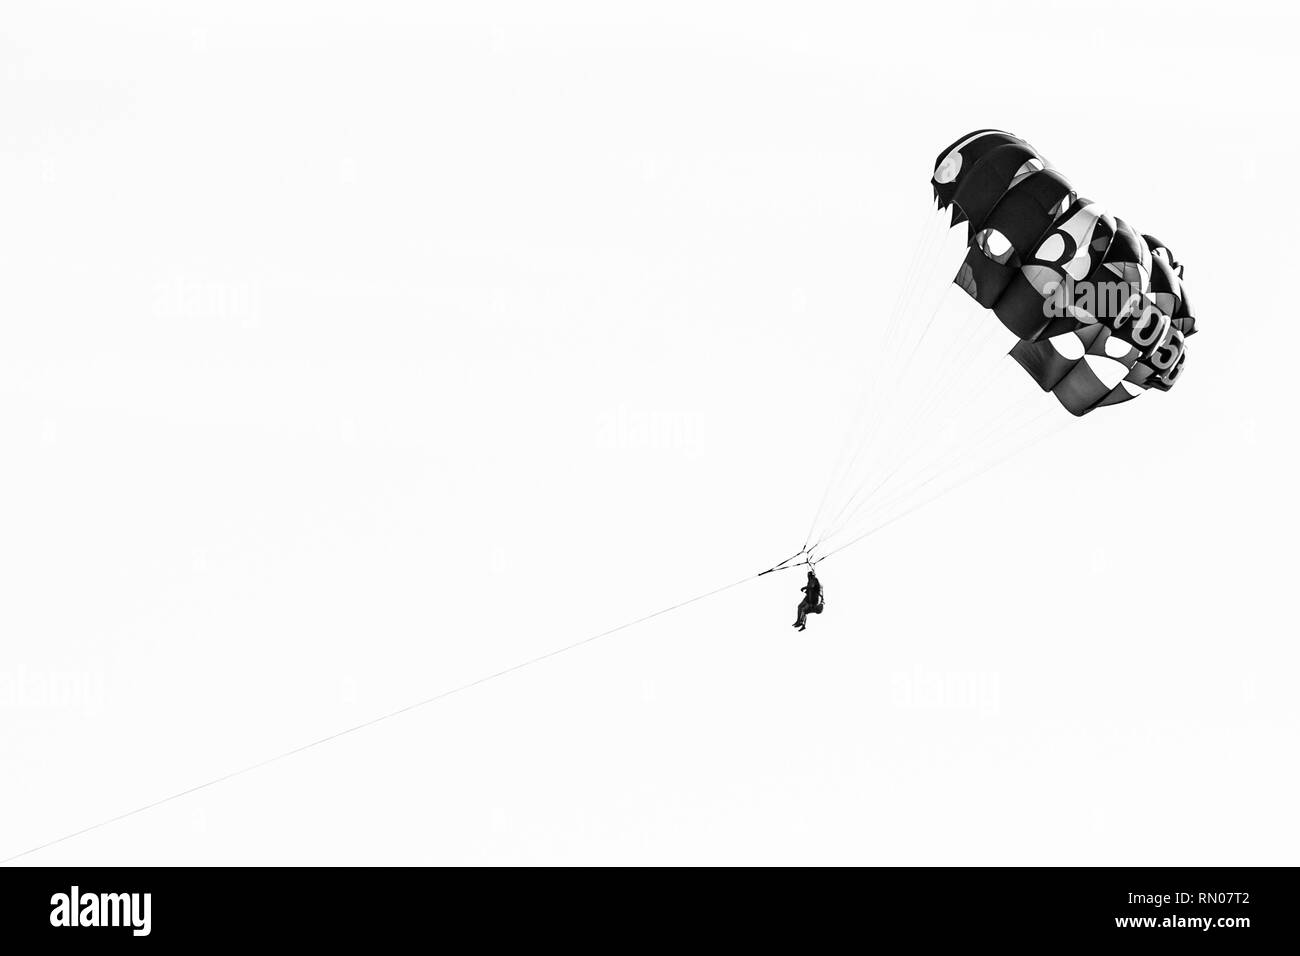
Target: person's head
<point>811,576</point>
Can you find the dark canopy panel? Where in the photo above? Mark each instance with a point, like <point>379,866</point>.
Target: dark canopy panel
<point>1100,309</point>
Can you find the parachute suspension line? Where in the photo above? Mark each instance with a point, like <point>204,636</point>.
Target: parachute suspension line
<point>863,505</point>
<point>895,379</point>
<point>943,491</point>
<point>905,461</point>
<point>991,368</point>
<point>924,409</point>
<point>916,315</point>
<point>951,458</point>
<point>926,249</point>
<point>914,308</point>
<point>960,424</point>
<point>959,349</point>
<point>936,412</point>
<point>910,501</point>
<point>892,438</point>
<point>920,429</point>
<point>967,427</point>
<point>924,260</point>
<point>1007,427</point>
<point>925,252</point>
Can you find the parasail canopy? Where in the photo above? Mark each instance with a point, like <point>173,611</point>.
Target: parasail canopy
<point>1099,308</point>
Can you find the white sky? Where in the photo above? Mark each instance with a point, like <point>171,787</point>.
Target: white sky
<point>352,351</point>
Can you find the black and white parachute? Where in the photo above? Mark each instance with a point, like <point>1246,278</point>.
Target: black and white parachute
<point>1095,311</point>
<point>1099,308</point>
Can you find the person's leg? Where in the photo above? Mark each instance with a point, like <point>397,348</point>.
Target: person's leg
<point>803,614</point>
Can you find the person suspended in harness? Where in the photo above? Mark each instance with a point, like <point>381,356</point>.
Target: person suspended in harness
<point>812,601</point>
